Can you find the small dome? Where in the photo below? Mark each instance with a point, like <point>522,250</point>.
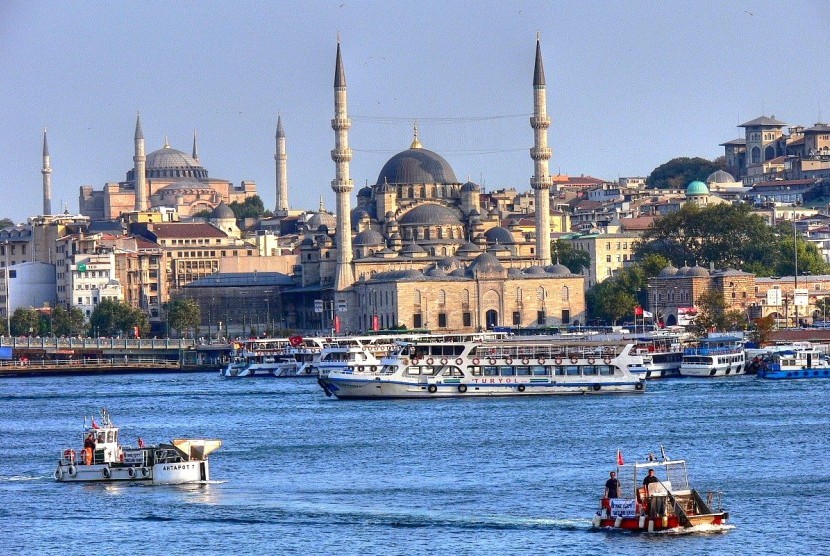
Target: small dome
<point>697,271</point>
<point>499,235</point>
<point>468,249</point>
<point>458,272</point>
<point>697,188</point>
<point>365,192</point>
<point>534,270</point>
<point>515,272</point>
<point>307,242</point>
<point>322,219</point>
<point>411,249</point>
<point>486,262</point>
<point>368,238</point>
<point>683,271</point>
<point>668,272</point>
<point>470,186</point>
<point>720,176</point>
<point>416,165</point>
<point>437,273</point>
<point>430,214</point>
<point>223,211</point>
<point>449,263</point>
<point>498,249</point>
<point>412,274</point>
<point>558,269</point>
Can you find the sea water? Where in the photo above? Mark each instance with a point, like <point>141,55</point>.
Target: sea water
<point>300,473</point>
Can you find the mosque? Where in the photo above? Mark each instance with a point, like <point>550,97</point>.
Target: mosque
<point>419,250</point>
<point>163,178</point>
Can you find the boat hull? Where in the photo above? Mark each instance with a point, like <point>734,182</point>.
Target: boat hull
<point>372,389</point>
<point>709,371</point>
<point>785,374</point>
<point>160,473</point>
<point>651,524</point>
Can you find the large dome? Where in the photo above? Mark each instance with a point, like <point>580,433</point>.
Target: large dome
<point>430,214</point>
<point>170,163</point>
<point>416,166</point>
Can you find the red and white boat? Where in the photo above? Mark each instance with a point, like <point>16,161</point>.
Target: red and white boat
<point>667,503</point>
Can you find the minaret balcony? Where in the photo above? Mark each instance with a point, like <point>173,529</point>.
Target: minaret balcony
<point>540,153</point>
<point>341,155</point>
<point>539,122</point>
<point>341,123</point>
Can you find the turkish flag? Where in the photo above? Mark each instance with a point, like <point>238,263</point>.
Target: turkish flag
<point>620,460</point>
<point>638,311</point>
<point>295,341</point>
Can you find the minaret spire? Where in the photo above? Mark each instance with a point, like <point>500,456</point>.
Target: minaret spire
<point>46,171</point>
<point>195,155</point>
<point>541,181</point>
<point>139,171</point>
<point>342,183</point>
<point>281,160</point>
<point>416,143</point>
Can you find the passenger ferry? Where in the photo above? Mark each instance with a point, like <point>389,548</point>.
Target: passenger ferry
<point>104,459</point>
<point>662,355</point>
<point>801,360</point>
<point>667,502</point>
<point>274,357</point>
<point>453,366</point>
<point>714,356</point>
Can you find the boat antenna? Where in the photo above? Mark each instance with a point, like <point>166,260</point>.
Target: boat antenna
<point>663,452</point>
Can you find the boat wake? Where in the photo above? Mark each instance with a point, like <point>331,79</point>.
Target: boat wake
<point>698,530</point>
<point>20,478</point>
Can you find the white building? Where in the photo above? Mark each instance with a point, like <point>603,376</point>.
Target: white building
<point>92,279</point>
<point>29,285</point>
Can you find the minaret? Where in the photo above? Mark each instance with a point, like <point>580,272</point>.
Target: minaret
<point>195,155</point>
<point>47,177</point>
<point>541,181</point>
<point>342,185</point>
<point>281,159</point>
<point>140,172</point>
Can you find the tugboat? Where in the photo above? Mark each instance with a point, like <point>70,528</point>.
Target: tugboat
<point>103,459</point>
<point>658,501</point>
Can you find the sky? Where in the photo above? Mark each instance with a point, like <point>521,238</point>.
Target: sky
<point>630,85</point>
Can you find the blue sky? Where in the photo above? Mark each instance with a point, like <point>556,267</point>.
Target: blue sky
<point>630,86</point>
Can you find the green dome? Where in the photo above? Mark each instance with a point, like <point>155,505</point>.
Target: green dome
<point>697,188</point>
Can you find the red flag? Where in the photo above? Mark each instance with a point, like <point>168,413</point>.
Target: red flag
<point>94,425</point>
<point>620,460</point>
<point>638,311</point>
<point>140,442</point>
<point>295,341</point>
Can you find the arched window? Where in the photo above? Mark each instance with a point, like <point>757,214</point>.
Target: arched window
<point>417,297</point>
<point>565,293</point>
<point>540,294</point>
<point>756,155</point>
<point>442,297</point>
<point>465,296</point>
<point>769,153</point>
<point>518,295</point>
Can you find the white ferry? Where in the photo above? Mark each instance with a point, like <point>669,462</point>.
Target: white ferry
<point>662,355</point>
<point>714,356</point>
<point>459,366</point>
<point>274,357</point>
<point>103,459</point>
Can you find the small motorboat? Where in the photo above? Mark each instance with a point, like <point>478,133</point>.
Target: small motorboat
<point>663,501</point>
<point>104,459</point>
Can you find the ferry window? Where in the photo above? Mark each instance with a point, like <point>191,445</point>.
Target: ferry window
<point>606,370</point>
<point>475,371</point>
<point>491,371</point>
<point>102,437</point>
<point>539,370</point>
<point>523,371</point>
<point>507,371</point>
<point>413,370</point>
<point>111,436</point>
<point>590,370</point>
<point>572,370</point>
<point>560,371</point>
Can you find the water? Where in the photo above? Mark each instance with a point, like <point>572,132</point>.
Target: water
<point>303,474</point>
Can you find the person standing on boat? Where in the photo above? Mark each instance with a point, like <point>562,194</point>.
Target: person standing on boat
<point>612,486</point>
<point>89,448</point>
<point>650,478</point>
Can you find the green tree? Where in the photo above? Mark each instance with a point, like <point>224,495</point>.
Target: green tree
<point>615,298</point>
<point>6,223</point>
<point>712,314</point>
<point>26,322</point>
<point>653,263</point>
<point>564,252</point>
<point>678,173</point>
<point>113,318</point>
<point>67,322</point>
<point>761,330</point>
<point>823,308</point>
<point>183,313</point>
<point>251,207</point>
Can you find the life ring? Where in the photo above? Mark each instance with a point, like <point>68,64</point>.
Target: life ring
<point>72,471</point>
<point>606,359</point>
<point>591,360</point>
<point>574,359</point>
<point>462,388</point>
<point>69,454</point>
<point>443,360</point>
<point>106,472</point>
<point>432,388</point>
<point>459,361</point>
<point>597,387</point>
<point>430,361</point>
<point>541,360</point>
<point>638,386</point>
<point>144,471</point>
<point>521,388</point>
<point>414,361</point>
<point>131,472</point>
<point>476,361</point>
<point>509,360</point>
<point>558,360</point>
<point>492,361</point>
<point>525,361</point>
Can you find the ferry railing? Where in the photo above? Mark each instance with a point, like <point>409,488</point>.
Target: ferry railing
<point>710,350</point>
<point>541,351</point>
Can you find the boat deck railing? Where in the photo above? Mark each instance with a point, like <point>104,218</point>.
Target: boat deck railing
<point>547,351</point>
<point>712,350</point>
